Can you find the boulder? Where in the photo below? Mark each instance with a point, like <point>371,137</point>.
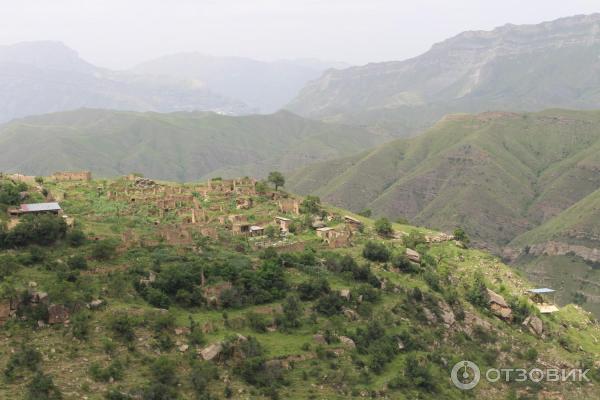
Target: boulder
<point>345,293</point>
<point>95,304</point>
<point>447,314</point>
<point>347,342</point>
<point>534,324</point>
<point>212,351</point>
<point>413,256</point>
<point>498,305</point>
<point>57,314</point>
<point>319,339</point>
<point>350,314</point>
<point>183,348</point>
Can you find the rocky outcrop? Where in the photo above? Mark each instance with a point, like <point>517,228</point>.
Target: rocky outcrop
<point>413,256</point>
<point>553,248</point>
<point>534,324</point>
<point>499,306</point>
<point>212,351</point>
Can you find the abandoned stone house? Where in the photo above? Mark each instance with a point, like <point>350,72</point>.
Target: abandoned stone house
<point>283,223</point>
<point>327,234</point>
<point>72,176</point>
<point>244,203</point>
<point>289,206</point>
<point>352,224</point>
<point>256,230</point>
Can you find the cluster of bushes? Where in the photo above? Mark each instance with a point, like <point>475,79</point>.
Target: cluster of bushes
<point>34,230</point>
<point>347,265</point>
<point>178,280</point>
<point>9,192</point>
<point>380,347</point>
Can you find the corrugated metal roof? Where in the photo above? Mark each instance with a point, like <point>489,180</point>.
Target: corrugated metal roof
<point>541,290</point>
<point>39,207</point>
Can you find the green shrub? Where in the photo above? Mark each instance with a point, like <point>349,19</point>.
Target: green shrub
<point>375,251</point>
<point>477,293</point>
<point>26,357</point>
<point>77,262</point>
<point>42,387</point>
<point>122,325</point>
<point>80,324</point>
<point>258,322</point>
<point>104,249</point>
<point>329,304</point>
<point>384,227</point>
<point>201,376</point>
<point>76,237</point>
<point>114,370</point>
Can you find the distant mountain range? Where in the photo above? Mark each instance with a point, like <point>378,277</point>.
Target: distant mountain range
<point>512,68</point>
<point>266,86</point>
<point>44,77</point>
<point>177,146</point>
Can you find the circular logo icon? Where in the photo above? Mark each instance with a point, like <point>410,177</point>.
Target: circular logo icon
<point>465,375</point>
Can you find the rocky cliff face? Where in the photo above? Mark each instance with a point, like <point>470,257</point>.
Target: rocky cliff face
<point>471,72</point>
<point>554,249</point>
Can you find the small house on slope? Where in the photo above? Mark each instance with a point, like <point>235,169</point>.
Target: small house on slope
<point>35,208</point>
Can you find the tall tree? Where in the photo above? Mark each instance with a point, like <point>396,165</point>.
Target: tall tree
<point>276,178</point>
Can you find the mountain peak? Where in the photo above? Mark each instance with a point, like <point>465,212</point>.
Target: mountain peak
<point>44,54</point>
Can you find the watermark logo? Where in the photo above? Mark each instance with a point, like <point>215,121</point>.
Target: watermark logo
<point>466,375</point>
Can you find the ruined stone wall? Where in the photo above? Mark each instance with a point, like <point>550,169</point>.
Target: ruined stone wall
<point>72,176</point>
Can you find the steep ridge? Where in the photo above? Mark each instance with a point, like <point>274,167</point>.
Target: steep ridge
<point>511,68</point>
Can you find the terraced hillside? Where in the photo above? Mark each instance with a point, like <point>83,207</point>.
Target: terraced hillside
<point>155,290</point>
<point>176,146</point>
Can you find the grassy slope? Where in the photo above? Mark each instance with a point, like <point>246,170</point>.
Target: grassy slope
<point>68,360</point>
<point>498,175</point>
<point>178,146</point>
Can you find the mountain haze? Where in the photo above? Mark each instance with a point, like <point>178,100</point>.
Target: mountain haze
<point>512,68</point>
<point>44,77</point>
<point>177,146</point>
<point>266,86</point>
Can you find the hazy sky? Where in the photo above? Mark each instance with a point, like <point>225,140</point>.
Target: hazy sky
<point>121,33</point>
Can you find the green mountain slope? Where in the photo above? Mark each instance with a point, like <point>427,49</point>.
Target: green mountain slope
<point>512,68</point>
<point>498,175</point>
<point>177,146</point>
<point>124,306</point>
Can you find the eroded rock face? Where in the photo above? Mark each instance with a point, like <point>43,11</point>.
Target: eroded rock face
<point>553,248</point>
<point>534,324</point>
<point>499,306</point>
<point>212,351</point>
<point>447,314</point>
<point>347,342</point>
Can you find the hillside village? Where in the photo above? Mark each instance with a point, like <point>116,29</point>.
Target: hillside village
<point>142,289</point>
